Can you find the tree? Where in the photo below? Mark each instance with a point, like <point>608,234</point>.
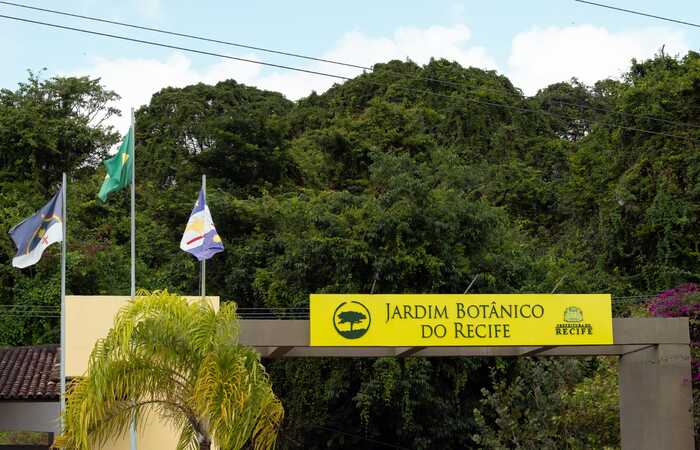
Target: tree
<point>53,126</point>
<point>550,404</point>
<point>374,183</point>
<point>181,362</point>
<point>47,126</point>
<point>351,317</point>
<point>235,133</point>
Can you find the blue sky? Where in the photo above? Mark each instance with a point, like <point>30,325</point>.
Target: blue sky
<point>534,42</point>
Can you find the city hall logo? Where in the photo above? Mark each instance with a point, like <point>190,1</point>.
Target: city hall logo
<point>573,323</point>
<point>573,314</point>
<point>351,319</point>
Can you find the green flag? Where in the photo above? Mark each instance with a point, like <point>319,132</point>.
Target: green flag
<point>119,168</point>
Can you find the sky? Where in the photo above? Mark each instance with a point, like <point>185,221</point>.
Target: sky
<point>533,42</point>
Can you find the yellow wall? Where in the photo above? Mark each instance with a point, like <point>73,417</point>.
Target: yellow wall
<point>89,318</point>
<point>152,436</point>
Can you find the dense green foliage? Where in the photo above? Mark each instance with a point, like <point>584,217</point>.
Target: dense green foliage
<point>408,179</point>
<point>551,404</point>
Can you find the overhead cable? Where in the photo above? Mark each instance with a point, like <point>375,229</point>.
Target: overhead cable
<point>189,36</point>
<point>325,74</point>
<point>639,13</point>
<point>323,60</point>
<point>174,47</point>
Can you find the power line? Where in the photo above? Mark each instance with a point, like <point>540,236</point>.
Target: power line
<point>639,13</point>
<point>32,316</point>
<point>344,78</point>
<point>29,306</point>
<point>30,310</point>
<point>175,47</point>
<point>189,36</point>
<point>624,114</point>
<point>323,60</point>
<point>41,314</point>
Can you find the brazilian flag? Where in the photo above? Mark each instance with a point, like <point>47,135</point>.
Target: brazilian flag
<point>119,167</point>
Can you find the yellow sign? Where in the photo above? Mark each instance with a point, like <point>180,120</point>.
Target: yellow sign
<point>407,320</point>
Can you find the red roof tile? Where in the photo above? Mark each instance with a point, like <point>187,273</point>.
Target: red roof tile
<point>29,373</point>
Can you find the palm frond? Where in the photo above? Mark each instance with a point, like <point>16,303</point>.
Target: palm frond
<point>181,362</point>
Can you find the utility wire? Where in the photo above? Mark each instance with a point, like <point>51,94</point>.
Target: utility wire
<point>30,311</point>
<point>323,60</point>
<point>7,311</point>
<point>521,109</point>
<point>175,47</point>
<point>639,13</point>
<point>340,77</point>
<point>263,310</point>
<point>30,306</point>
<point>189,36</point>
<point>31,316</point>
<point>624,114</point>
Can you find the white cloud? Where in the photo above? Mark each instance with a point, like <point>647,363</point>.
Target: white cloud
<point>137,79</point>
<point>540,57</point>
<point>148,8</point>
<point>416,44</point>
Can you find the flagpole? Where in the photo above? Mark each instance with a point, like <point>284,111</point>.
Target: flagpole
<point>63,305</point>
<point>133,206</point>
<point>133,241</point>
<point>203,275</point>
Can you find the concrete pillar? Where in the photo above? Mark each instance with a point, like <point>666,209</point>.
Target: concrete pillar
<point>656,398</point>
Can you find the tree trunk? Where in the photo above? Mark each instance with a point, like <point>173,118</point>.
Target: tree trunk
<point>202,438</point>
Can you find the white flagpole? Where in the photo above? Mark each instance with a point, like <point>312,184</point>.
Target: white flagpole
<point>133,240</point>
<point>63,305</point>
<point>133,206</point>
<point>204,261</point>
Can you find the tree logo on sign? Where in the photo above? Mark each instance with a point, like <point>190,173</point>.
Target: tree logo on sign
<point>351,319</point>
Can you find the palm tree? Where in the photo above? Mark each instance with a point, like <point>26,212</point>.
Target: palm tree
<point>182,362</point>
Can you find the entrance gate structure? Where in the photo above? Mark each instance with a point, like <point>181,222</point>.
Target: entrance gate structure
<point>656,398</point>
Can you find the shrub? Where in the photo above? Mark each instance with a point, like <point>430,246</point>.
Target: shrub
<point>684,301</point>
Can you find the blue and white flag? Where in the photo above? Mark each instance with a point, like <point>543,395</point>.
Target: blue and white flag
<point>34,234</point>
<point>201,238</point>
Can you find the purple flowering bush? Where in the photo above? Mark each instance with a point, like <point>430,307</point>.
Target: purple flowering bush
<point>684,301</point>
<point>681,301</point>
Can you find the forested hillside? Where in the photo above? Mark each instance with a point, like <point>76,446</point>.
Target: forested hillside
<point>409,178</point>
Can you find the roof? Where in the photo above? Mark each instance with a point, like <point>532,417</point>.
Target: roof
<point>29,373</point>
